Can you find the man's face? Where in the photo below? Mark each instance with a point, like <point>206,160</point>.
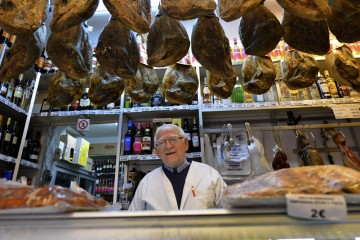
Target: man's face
<point>172,155</point>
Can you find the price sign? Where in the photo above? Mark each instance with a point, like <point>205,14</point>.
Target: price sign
<point>316,206</point>
<point>346,111</point>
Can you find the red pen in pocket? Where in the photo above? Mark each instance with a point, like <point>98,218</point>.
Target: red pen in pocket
<point>193,191</point>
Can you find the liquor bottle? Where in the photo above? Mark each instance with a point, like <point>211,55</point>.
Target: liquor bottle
<point>14,141</point>
<point>323,87</point>
<point>93,60</point>
<point>237,95</point>
<point>27,145</point>
<point>248,97</point>
<point>128,103</point>
<point>10,91</point>
<point>128,140</point>
<point>195,140</point>
<point>345,90</point>
<point>47,65</point>
<point>11,41</point>
<point>137,145</point>
<point>75,105</point>
<point>6,141</point>
<point>110,106</point>
<point>147,140</point>
<point>314,92</point>
<point>331,84</point>
<point>188,134</point>
<point>84,102</point>
<point>113,167</point>
<point>39,65</point>
<point>1,129</point>
<point>45,106</point>
<point>236,52</point>
<point>3,89</point>
<point>18,93</point>
<point>110,166</point>
<point>157,99</point>
<point>206,93</point>
<point>194,100</point>
<point>271,94</point>
<point>216,100</point>
<point>53,69</point>
<point>117,104</point>
<point>34,154</point>
<point>26,97</point>
<point>4,37</point>
<point>284,91</point>
<point>339,89</point>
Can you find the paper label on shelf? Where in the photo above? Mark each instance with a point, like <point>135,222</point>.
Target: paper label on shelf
<point>346,111</point>
<point>316,206</point>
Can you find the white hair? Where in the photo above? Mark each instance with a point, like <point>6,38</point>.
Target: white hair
<point>171,126</point>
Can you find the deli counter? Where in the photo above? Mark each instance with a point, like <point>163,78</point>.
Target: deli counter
<point>247,223</point>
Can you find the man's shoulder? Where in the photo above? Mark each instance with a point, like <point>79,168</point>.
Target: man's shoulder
<point>202,166</point>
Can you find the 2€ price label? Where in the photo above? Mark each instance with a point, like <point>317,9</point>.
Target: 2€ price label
<point>316,206</point>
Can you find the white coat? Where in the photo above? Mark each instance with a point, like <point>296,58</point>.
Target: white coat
<point>203,189</point>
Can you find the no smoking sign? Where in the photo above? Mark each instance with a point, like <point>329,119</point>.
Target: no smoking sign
<point>83,124</point>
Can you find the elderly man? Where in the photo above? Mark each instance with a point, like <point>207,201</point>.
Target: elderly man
<point>179,184</point>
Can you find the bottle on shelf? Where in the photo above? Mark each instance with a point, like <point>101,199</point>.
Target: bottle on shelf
<point>45,106</point>
<point>206,93</point>
<point>18,93</point>
<point>26,97</point>
<point>3,89</point>
<point>147,140</point>
<point>195,139</point>
<point>84,102</point>
<point>75,105</point>
<point>128,139</point>
<point>128,102</point>
<point>271,94</point>
<point>93,60</point>
<point>237,54</point>
<point>10,91</point>
<point>47,65</point>
<point>304,94</point>
<point>157,99</point>
<point>110,106</point>
<point>194,100</point>
<point>284,91</point>
<point>186,129</point>
<point>14,140</point>
<point>34,154</point>
<point>258,98</point>
<point>323,87</point>
<point>345,91</point>
<point>237,95</point>
<point>4,36</point>
<point>39,65</point>
<point>331,85</point>
<point>248,97</point>
<point>339,89</point>
<point>113,167</point>
<point>137,145</point>
<point>1,129</point>
<point>53,68</point>
<point>216,100</point>
<point>6,140</point>
<point>28,145</point>
<point>294,95</point>
<point>314,92</point>
<point>11,41</point>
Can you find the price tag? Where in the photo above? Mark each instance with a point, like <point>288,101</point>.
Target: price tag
<point>348,100</point>
<point>346,111</point>
<point>286,103</point>
<point>43,114</point>
<point>250,105</point>
<point>356,100</point>
<point>134,157</point>
<point>316,206</point>
<point>145,109</point>
<point>136,109</point>
<point>217,106</point>
<point>2,100</point>
<point>193,107</point>
<point>307,102</point>
<point>240,105</point>
<point>153,157</point>
<point>207,106</point>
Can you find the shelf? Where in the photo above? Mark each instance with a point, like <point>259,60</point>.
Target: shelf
<point>23,162</point>
<point>124,158</point>
<point>163,111</point>
<point>11,109</point>
<point>105,174</point>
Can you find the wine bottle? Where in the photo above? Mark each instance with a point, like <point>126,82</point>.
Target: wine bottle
<point>28,145</point>
<point>75,105</point>
<point>39,65</point>
<point>14,141</point>
<point>93,60</point>
<point>137,145</point>
<point>47,66</point>
<point>45,106</point>
<point>11,41</point>
<point>127,101</point>
<point>323,87</point>
<point>147,140</point>
<point>53,68</point>
<point>237,95</point>
<point>3,89</point>
<point>236,52</point>
<point>128,140</point>
<point>195,140</point>
<point>188,134</point>
<point>206,93</point>
<point>18,93</point>
<point>10,91</point>
<point>84,102</point>
<point>34,154</point>
<point>4,37</point>
<point>1,129</point>
<point>26,97</point>
<point>6,141</point>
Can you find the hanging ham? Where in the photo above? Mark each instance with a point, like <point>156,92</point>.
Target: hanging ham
<point>231,10</point>
<point>188,9</point>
